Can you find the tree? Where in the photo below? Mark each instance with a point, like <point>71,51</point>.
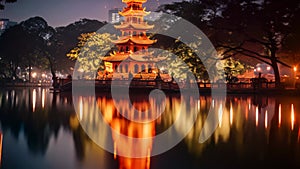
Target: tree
<point>179,58</point>
<point>262,31</point>
<point>23,46</point>
<point>10,57</point>
<point>233,68</point>
<point>66,38</point>
<point>90,50</point>
<point>256,29</point>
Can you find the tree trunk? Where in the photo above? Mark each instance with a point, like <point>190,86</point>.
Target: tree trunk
<point>54,78</point>
<point>275,69</point>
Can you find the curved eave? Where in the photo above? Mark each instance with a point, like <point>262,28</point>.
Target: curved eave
<point>132,12</point>
<point>134,26</point>
<point>135,40</point>
<point>127,1</point>
<point>116,58</point>
<point>143,42</point>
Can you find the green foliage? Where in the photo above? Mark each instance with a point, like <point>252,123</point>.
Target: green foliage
<point>254,29</point>
<point>181,59</point>
<point>90,49</point>
<point>233,67</point>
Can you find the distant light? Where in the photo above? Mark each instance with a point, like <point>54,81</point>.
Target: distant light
<point>295,69</point>
<point>34,74</point>
<point>268,68</point>
<point>259,69</point>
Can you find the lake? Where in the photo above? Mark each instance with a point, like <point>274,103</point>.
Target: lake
<point>42,130</point>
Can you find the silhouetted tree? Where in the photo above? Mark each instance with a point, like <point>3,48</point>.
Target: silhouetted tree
<point>23,45</point>
<point>256,29</point>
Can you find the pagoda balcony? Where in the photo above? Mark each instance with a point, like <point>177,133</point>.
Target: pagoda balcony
<point>128,1</point>
<point>133,8</point>
<point>139,26</point>
<point>132,12</point>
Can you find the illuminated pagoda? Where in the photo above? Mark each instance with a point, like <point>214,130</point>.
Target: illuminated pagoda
<point>133,44</point>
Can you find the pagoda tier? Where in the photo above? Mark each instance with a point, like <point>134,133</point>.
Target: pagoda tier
<point>137,40</point>
<point>134,12</point>
<point>129,1</point>
<point>137,56</point>
<point>136,26</point>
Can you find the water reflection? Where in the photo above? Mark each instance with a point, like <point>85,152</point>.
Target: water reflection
<point>43,97</point>
<point>1,141</point>
<point>33,100</point>
<point>292,117</point>
<point>253,129</point>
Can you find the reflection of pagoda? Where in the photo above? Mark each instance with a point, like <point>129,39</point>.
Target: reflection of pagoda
<point>132,55</point>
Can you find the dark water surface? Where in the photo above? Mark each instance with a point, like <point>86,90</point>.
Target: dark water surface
<point>41,130</point>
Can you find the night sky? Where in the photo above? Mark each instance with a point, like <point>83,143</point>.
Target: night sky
<point>64,12</point>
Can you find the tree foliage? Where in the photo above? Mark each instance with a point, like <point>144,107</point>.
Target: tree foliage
<point>255,29</point>
<point>22,46</point>
<point>33,43</point>
<point>90,49</point>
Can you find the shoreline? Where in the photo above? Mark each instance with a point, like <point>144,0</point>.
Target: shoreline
<point>141,89</point>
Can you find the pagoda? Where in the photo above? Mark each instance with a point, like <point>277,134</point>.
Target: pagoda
<point>132,54</point>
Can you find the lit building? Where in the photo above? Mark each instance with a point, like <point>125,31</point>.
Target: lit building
<point>132,55</point>
<point>5,24</point>
<point>114,16</point>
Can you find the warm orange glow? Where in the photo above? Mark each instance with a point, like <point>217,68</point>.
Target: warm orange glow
<point>134,36</point>
<point>108,67</point>
<point>115,150</point>
<point>220,115</point>
<point>259,69</point>
<point>148,158</point>
<point>43,98</point>
<point>34,75</point>
<point>33,100</point>
<point>266,119</point>
<point>299,134</point>
<point>121,125</point>
<point>256,116</point>
<point>247,114</point>
<point>279,115</point>
<point>295,69</point>
<point>231,114</point>
<point>80,108</point>
<point>292,117</point>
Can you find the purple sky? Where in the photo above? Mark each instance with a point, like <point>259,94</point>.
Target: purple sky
<point>63,12</point>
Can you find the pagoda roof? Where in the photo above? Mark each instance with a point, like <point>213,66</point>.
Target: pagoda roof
<point>143,26</point>
<point>132,12</point>
<point>127,1</point>
<point>119,57</point>
<point>135,39</point>
<point>116,58</point>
